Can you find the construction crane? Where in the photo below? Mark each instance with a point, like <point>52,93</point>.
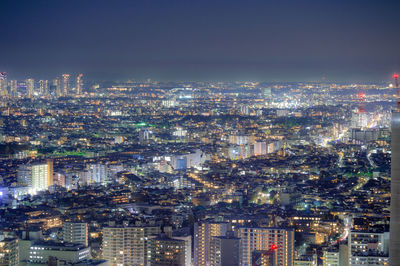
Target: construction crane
<point>396,80</point>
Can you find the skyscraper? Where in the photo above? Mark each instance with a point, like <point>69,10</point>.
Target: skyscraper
<point>79,84</point>
<point>13,87</point>
<point>30,87</point>
<point>75,232</point>
<point>394,247</point>
<point>65,84</point>
<point>3,84</point>
<point>260,238</point>
<point>57,85</point>
<point>42,175</point>
<point>43,87</point>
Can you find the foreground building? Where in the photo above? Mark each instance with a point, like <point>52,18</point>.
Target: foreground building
<point>47,252</point>
<point>169,251</point>
<point>225,251</point>
<point>258,239</point>
<point>42,175</point>
<point>395,191</point>
<point>75,232</point>
<point>9,252</point>
<point>127,245</point>
<point>203,234</point>
<point>369,248</point>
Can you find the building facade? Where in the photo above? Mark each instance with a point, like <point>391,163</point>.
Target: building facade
<point>256,239</point>
<point>168,251</point>
<point>203,233</point>
<point>9,252</point>
<point>368,248</point>
<point>42,175</point>
<point>75,232</point>
<point>127,245</point>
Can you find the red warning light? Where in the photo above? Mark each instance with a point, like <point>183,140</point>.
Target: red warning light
<point>274,247</point>
<point>395,76</point>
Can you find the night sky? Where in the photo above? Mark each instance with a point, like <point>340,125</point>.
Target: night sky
<point>282,40</point>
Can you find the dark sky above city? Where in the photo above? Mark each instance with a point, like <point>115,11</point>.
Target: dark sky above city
<point>282,40</point>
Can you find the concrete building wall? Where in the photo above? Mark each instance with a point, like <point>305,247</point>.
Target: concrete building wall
<point>74,232</point>
<point>394,247</point>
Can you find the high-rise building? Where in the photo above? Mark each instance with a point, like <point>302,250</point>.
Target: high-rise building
<point>75,232</point>
<point>79,84</point>
<point>225,251</point>
<point>127,245</point>
<point>30,87</point>
<point>244,110</point>
<point>264,257</point>
<point>43,87</point>
<point>188,247</point>
<point>369,248</point>
<point>331,258</point>
<point>260,148</point>
<point>267,92</point>
<point>42,175</point>
<point>362,136</point>
<point>13,87</point>
<point>24,175</point>
<point>145,135</point>
<point>96,173</point>
<point>260,238</point>
<point>9,252</point>
<point>267,95</point>
<point>24,244</point>
<point>394,250</point>
<point>57,86</point>
<point>359,120</point>
<point>59,179</point>
<point>65,84</point>
<point>203,233</point>
<point>3,84</point>
<point>168,251</point>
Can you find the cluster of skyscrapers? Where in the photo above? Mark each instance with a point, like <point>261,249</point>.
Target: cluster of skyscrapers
<point>59,87</point>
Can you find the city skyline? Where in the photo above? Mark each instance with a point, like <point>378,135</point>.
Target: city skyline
<point>199,133</point>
